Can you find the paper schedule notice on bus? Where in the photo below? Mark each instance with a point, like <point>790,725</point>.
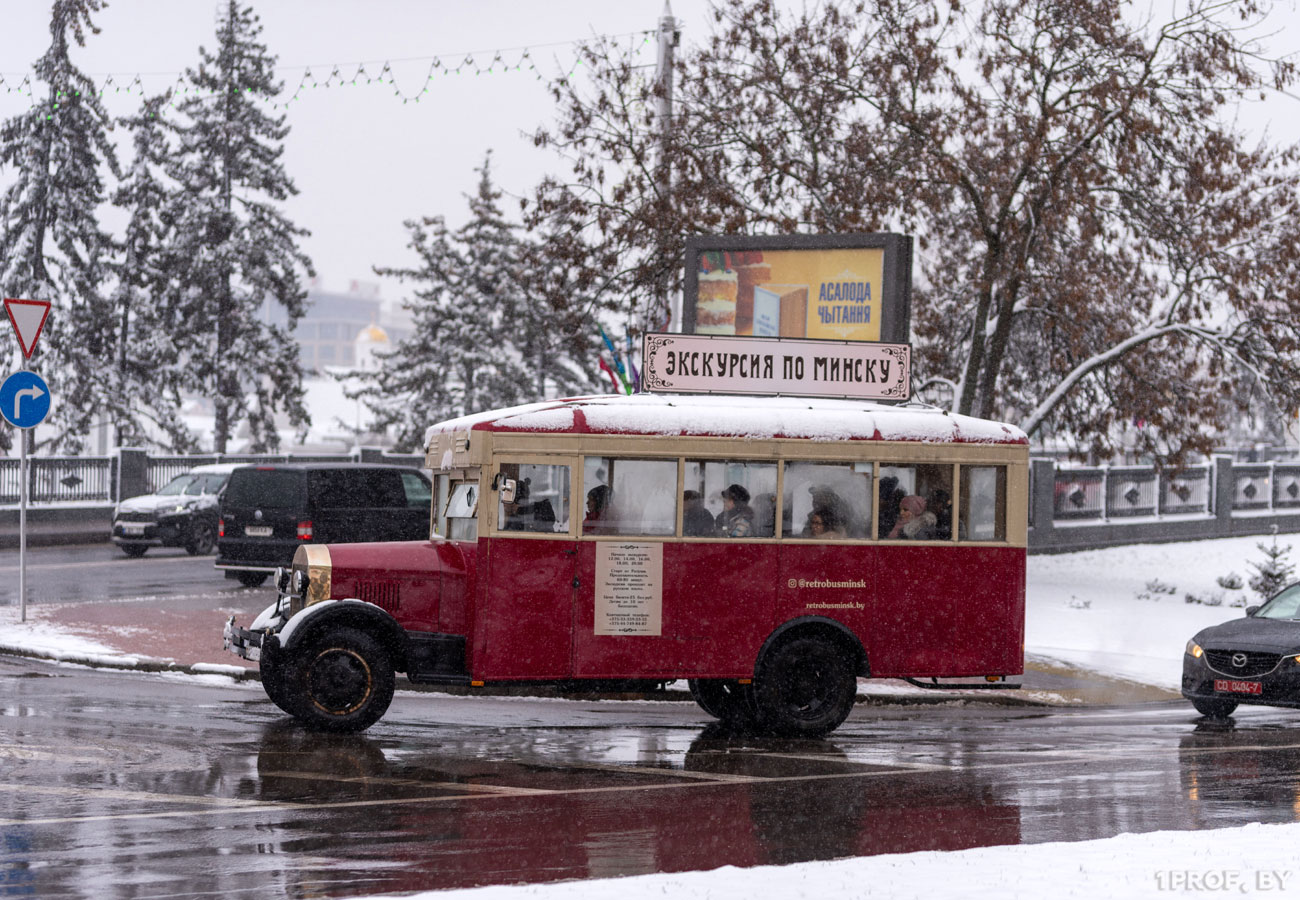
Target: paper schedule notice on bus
<point>629,589</point>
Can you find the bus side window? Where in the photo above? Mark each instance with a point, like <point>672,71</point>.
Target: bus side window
<point>541,500</point>
<point>915,502</point>
<point>740,495</point>
<point>629,496</point>
<point>983,503</point>
<point>827,501</point>
<point>461,513</point>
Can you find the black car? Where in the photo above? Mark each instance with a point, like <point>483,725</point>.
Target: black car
<point>182,514</point>
<point>268,511</point>
<point>1251,660</point>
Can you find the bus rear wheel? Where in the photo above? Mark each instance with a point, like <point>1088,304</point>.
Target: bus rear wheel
<point>342,681</point>
<point>724,699</point>
<point>804,687</point>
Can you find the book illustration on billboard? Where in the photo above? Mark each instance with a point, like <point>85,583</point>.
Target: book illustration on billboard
<point>780,310</point>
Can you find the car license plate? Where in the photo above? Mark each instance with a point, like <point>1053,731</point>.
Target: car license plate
<point>257,530</point>
<point>132,528</point>
<point>1238,687</point>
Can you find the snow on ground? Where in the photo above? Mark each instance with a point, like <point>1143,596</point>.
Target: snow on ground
<point>1096,610</point>
<point>1120,612</point>
<point>1251,861</point>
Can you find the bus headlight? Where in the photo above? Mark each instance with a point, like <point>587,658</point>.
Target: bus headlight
<point>310,581</point>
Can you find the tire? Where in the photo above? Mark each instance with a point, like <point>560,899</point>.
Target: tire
<point>252,579</point>
<point>342,681</point>
<point>274,670</point>
<point>135,551</point>
<point>1215,709</point>
<point>726,700</point>
<point>804,687</point>
<point>203,539</point>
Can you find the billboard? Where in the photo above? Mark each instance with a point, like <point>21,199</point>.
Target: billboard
<point>848,287</point>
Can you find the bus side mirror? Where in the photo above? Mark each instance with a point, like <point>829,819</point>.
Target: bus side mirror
<point>507,489</point>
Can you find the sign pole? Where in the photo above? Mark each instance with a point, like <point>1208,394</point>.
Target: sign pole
<point>22,525</point>
<point>28,319</point>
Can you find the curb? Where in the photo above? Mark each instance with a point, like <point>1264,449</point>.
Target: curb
<point>135,664</point>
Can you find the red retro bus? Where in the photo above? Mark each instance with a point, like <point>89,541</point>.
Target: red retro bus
<point>771,551</point>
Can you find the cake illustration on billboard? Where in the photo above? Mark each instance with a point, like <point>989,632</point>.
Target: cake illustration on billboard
<point>715,299</point>
<point>780,310</point>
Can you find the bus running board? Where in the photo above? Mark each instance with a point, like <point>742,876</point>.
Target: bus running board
<point>934,685</point>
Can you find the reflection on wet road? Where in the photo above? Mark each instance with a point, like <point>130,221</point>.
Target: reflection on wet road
<point>131,787</point>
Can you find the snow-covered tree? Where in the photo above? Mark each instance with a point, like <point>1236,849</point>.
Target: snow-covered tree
<point>487,333</point>
<point>54,247</point>
<point>233,247</point>
<point>1274,573</point>
<point>145,399</point>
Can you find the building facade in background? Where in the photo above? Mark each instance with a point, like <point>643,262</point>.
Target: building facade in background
<point>327,334</point>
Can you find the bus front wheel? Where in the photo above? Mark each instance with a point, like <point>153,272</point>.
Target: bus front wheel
<point>726,700</point>
<point>342,681</point>
<point>275,669</point>
<point>804,687</point>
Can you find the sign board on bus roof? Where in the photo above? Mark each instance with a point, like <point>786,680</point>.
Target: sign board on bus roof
<point>846,287</point>
<point>717,364</point>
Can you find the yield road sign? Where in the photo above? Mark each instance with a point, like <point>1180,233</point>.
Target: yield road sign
<point>28,318</point>
<point>24,399</point>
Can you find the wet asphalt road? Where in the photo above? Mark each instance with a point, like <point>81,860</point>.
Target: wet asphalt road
<point>93,572</point>
<point>141,786</point>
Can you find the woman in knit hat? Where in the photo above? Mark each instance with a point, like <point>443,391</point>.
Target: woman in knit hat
<point>914,523</point>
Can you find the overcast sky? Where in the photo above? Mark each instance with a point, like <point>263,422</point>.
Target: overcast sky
<point>362,160</point>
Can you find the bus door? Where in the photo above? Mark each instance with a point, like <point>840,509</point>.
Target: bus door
<point>526,624</point>
<point>621,599</point>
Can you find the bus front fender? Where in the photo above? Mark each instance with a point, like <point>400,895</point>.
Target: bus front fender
<point>347,613</point>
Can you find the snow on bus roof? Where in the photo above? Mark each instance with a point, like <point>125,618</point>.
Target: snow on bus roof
<point>738,416</point>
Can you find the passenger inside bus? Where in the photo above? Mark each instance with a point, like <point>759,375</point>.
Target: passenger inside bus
<point>914,521</point>
<point>696,520</point>
<point>737,517</point>
<point>890,497</point>
<point>824,522</point>
<point>941,505</point>
<point>595,521</point>
<point>523,516</point>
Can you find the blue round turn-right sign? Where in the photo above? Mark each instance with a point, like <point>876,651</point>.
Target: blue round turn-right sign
<point>24,399</point>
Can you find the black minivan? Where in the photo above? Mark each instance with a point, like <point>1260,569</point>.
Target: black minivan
<point>268,511</point>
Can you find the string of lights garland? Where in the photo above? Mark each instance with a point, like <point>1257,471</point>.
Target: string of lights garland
<point>362,74</point>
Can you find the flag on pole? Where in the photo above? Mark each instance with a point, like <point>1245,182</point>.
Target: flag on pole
<point>631,365</point>
<point>610,372</point>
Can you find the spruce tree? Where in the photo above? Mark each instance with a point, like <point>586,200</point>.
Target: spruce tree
<point>485,334</point>
<point>1274,573</point>
<point>54,247</point>
<point>235,249</point>
<point>146,398</point>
